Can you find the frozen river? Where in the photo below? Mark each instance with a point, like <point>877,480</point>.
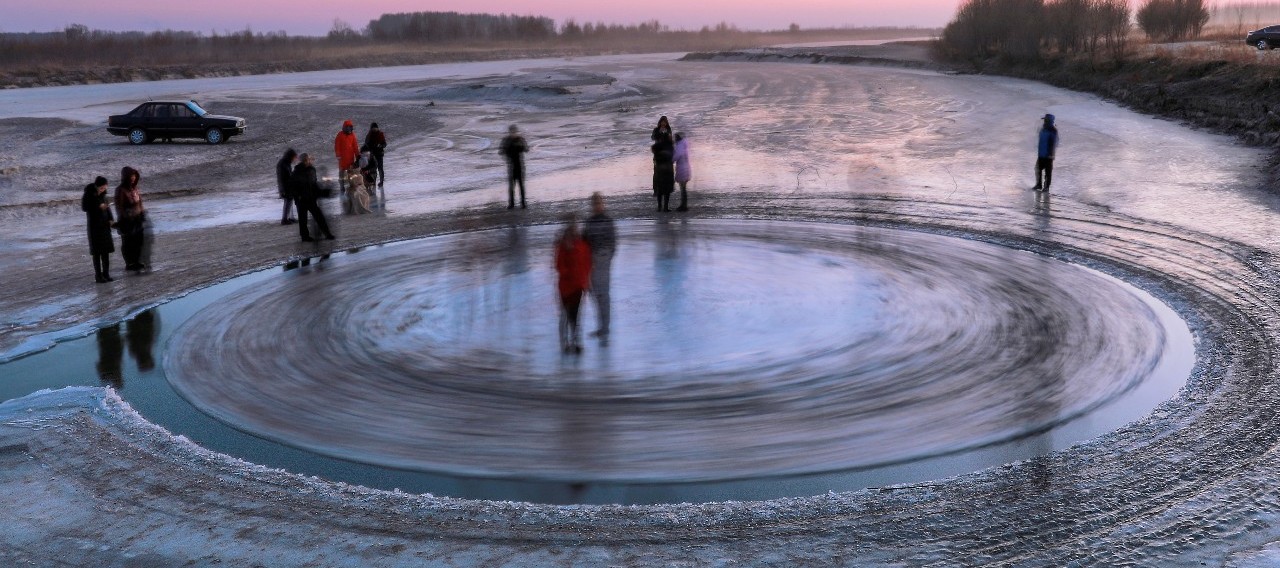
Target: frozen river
<point>865,279</point>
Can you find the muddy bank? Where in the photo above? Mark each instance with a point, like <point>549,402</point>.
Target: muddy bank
<point>54,77</point>
<point>913,55</point>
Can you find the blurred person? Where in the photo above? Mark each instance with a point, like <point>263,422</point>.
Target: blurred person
<point>346,148</point>
<point>664,174</point>
<point>284,170</point>
<point>376,140</point>
<point>99,220</point>
<point>306,188</point>
<point>1048,147</point>
<point>358,189</point>
<point>573,265</point>
<point>684,172</point>
<point>602,239</point>
<point>514,147</point>
<point>130,216</point>
<point>148,240</point>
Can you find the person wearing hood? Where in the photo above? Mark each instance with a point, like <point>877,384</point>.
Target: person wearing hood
<point>376,140</point>
<point>130,215</point>
<point>1048,148</point>
<point>346,147</point>
<point>662,132</point>
<point>98,215</point>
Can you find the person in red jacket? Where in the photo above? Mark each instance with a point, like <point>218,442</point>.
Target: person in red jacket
<point>347,148</point>
<point>573,264</point>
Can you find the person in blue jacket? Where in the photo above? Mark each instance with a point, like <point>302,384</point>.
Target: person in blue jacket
<point>1048,147</point>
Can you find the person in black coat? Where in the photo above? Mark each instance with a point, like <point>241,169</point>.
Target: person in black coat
<point>306,189</point>
<point>514,148</point>
<point>284,170</point>
<point>662,133</point>
<point>664,175</point>
<point>376,140</point>
<point>97,211</point>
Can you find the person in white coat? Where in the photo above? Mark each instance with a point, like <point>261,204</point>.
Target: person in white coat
<point>684,172</point>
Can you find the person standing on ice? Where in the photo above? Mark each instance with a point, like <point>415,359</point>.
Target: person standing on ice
<point>307,189</point>
<point>662,132</point>
<point>347,150</point>
<point>664,173</point>
<point>573,266</point>
<point>602,240</point>
<point>130,217</point>
<point>376,141</point>
<point>1047,149</point>
<point>284,170</point>
<point>684,172</point>
<point>98,216</point>
<point>513,148</point>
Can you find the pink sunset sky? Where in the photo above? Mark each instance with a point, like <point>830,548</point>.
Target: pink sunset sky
<point>315,17</point>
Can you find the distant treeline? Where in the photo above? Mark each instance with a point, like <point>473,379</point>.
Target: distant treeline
<point>78,54</point>
<point>455,27</point>
<point>1030,29</point>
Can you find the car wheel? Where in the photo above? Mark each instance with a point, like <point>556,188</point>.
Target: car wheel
<point>138,136</point>
<point>213,136</point>
<point>1263,45</point>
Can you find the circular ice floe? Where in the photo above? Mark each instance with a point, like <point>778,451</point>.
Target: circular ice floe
<point>739,349</point>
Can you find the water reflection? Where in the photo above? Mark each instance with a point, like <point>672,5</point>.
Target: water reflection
<point>140,335</point>
<point>110,357</point>
<point>1042,211</point>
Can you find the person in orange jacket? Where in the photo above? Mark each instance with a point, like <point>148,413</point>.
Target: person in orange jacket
<point>346,148</point>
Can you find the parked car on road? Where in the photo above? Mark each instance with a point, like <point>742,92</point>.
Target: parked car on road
<point>167,120</point>
<point>1265,38</point>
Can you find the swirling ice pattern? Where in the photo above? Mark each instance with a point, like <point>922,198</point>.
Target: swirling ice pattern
<point>739,350</point>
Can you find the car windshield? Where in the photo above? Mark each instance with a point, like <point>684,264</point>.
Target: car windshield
<point>196,108</point>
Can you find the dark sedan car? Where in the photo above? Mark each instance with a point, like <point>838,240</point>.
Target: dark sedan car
<point>174,119</point>
<point>1265,38</point>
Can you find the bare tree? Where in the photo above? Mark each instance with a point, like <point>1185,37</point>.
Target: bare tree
<point>1172,20</point>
